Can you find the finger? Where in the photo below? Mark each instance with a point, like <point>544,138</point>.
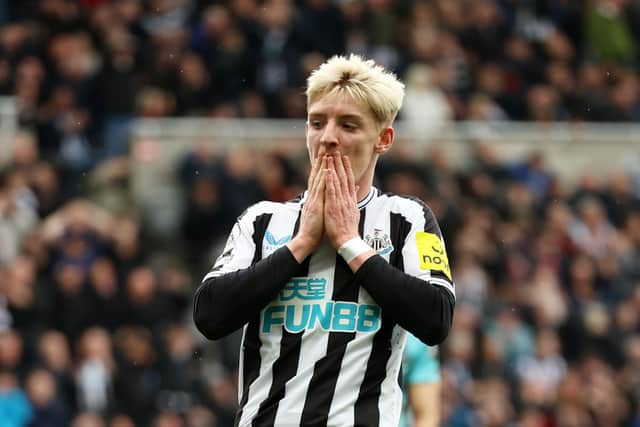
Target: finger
<point>313,173</point>
<point>322,184</point>
<point>313,189</point>
<point>333,178</point>
<point>321,164</point>
<point>341,175</point>
<point>312,178</point>
<point>331,163</point>
<point>350,178</point>
<point>330,185</point>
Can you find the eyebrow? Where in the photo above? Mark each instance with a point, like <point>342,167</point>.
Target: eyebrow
<point>354,117</point>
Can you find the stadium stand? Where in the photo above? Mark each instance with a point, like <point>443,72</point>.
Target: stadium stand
<point>96,281</point>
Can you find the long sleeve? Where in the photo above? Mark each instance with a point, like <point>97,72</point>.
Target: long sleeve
<point>424,309</point>
<point>244,279</point>
<point>222,304</point>
<point>415,288</point>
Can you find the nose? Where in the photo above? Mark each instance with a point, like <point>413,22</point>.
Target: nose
<point>329,136</point>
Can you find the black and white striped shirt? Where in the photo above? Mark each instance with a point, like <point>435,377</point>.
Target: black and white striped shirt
<point>322,345</point>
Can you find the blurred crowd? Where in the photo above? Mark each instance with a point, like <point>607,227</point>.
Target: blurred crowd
<point>95,326</point>
<point>83,69</point>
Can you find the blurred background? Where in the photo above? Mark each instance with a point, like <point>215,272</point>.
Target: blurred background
<point>133,132</point>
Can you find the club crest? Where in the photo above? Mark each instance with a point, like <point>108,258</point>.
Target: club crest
<point>379,242</point>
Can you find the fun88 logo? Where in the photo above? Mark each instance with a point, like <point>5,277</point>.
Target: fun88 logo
<point>295,310</point>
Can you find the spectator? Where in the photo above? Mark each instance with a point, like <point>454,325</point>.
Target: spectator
<point>543,105</point>
<point>200,416</point>
<point>18,214</point>
<point>534,174</point>
<point>619,198</point>
<point>279,52</point>
<point>606,17</point>
<point>591,232</point>
<point>87,419</point>
<point>118,84</point>
<point>49,410</point>
<point>425,108</point>
<point>26,296</point>
<point>513,337</point>
<point>143,298</point>
<point>194,87</point>
<point>120,420</point>
<point>12,360</point>
<point>137,382</point>
<point>177,366</point>
<point>96,368</point>
<point>105,296</point>
<point>14,406</point>
<point>76,256</point>
<point>54,355</point>
<point>321,27</point>
<point>539,375</point>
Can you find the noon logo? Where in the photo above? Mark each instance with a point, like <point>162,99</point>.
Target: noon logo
<point>432,254</point>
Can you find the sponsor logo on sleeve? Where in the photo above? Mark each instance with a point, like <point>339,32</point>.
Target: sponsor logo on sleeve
<point>432,253</point>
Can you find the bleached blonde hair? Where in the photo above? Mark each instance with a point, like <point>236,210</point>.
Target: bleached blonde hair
<point>363,80</point>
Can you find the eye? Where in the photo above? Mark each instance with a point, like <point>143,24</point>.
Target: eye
<point>349,126</point>
<point>315,124</point>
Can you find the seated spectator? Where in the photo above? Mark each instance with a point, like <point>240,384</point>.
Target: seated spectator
<point>54,355</point>
<point>49,410</point>
<point>18,214</point>
<point>14,405</point>
<point>591,232</point>
<point>95,372</point>
<point>87,419</point>
<point>539,375</point>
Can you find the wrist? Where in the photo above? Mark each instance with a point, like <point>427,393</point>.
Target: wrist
<point>342,240</point>
<point>353,248</point>
<point>301,247</point>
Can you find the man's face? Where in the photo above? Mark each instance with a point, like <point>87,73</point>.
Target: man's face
<point>339,123</point>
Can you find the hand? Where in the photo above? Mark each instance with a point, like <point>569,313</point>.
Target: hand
<point>311,227</point>
<point>341,213</point>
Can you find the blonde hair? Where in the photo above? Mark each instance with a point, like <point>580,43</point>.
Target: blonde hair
<point>362,80</point>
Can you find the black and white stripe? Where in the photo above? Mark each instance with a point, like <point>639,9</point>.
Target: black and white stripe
<point>318,376</point>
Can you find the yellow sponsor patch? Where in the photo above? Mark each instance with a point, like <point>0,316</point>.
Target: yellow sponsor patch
<point>432,254</point>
